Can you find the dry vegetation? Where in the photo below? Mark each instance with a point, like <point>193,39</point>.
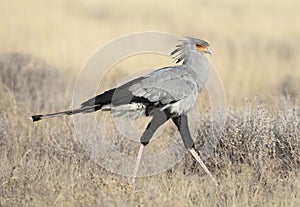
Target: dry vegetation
<point>256,46</point>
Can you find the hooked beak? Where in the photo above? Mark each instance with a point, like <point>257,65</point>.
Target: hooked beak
<point>207,50</point>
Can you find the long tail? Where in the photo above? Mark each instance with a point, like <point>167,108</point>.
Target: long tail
<point>101,101</point>
<point>85,109</point>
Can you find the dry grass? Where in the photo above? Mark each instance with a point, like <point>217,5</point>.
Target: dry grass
<point>256,53</point>
<point>256,162</point>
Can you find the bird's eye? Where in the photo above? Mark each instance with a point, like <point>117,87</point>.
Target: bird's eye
<point>199,45</point>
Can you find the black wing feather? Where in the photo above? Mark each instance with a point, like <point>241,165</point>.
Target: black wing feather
<point>118,96</point>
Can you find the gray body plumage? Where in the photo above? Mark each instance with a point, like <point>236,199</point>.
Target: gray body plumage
<point>174,88</point>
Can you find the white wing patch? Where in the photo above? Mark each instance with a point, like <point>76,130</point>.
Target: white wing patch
<point>130,111</point>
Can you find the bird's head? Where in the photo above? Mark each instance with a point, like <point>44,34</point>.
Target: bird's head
<point>200,45</point>
<point>184,50</point>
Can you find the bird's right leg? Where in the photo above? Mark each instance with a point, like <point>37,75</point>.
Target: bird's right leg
<point>182,124</point>
<point>159,117</point>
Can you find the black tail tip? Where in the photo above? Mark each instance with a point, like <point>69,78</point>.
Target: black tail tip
<point>36,118</point>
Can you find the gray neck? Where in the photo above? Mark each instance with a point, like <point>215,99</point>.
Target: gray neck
<point>198,63</point>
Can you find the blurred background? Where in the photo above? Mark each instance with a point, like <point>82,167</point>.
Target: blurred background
<point>255,43</point>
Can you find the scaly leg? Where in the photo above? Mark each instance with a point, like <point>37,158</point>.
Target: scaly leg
<point>137,165</point>
<point>196,156</point>
<point>159,117</point>
<point>182,124</point>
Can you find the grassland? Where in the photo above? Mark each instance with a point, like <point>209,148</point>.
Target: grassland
<point>44,44</point>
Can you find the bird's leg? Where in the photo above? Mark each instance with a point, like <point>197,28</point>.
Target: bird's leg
<point>182,124</point>
<point>196,156</point>
<point>159,117</point>
<point>137,165</point>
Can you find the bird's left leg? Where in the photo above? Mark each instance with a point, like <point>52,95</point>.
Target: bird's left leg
<point>159,117</point>
<point>182,124</point>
